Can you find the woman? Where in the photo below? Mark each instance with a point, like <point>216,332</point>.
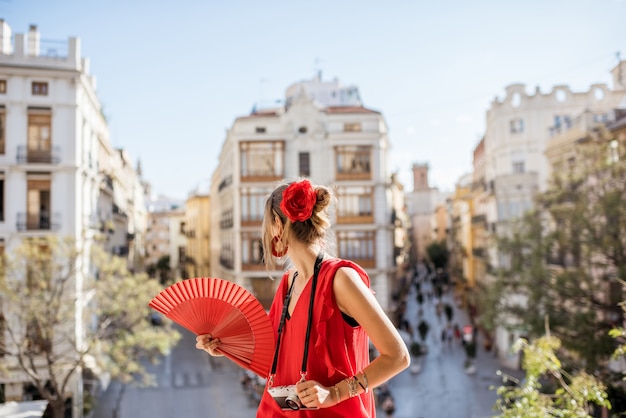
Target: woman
<point>327,367</point>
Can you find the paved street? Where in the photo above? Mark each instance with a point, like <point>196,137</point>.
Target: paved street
<point>442,389</point>
<point>191,384</point>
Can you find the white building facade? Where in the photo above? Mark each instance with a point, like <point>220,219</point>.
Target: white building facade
<point>324,133</point>
<point>52,136</point>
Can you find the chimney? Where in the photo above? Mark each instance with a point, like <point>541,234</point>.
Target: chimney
<point>619,75</point>
<point>5,38</point>
<point>33,41</point>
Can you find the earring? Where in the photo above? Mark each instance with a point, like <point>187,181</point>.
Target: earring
<point>275,253</point>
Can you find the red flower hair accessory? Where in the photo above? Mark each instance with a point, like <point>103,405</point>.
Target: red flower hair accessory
<point>298,201</point>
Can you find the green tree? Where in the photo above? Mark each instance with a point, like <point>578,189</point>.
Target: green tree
<point>61,320</point>
<point>566,258</point>
<point>438,254</point>
<point>571,397</point>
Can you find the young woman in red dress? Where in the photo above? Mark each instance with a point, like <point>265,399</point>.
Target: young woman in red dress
<point>324,314</point>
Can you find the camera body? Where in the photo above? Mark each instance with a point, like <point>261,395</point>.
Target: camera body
<point>287,398</point>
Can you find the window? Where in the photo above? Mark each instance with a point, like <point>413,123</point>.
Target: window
<point>38,202</point>
<point>226,219</point>
<point>1,197</point>
<point>262,160</point>
<point>355,204</point>
<point>3,86</point>
<point>353,162</point>
<point>260,129</point>
<point>39,143</point>
<point>613,151</point>
<point>600,117</point>
<point>2,129</point>
<point>227,253</point>
<point>302,130</point>
<point>517,126</point>
<point>571,162</point>
<point>304,164</point>
<point>352,127</point>
<point>39,88</point>
<point>182,228</point>
<point>358,246</point>
<point>252,250</point>
<point>518,167</point>
<point>562,122</point>
<point>35,341</point>
<point>39,274</point>
<point>253,205</point>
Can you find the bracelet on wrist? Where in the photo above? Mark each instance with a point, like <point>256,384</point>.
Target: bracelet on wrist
<point>353,388</point>
<point>364,385</point>
<point>337,395</point>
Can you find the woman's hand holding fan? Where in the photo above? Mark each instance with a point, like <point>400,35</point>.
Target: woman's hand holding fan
<point>209,344</point>
<point>225,311</point>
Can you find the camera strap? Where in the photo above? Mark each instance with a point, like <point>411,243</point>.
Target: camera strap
<point>283,317</point>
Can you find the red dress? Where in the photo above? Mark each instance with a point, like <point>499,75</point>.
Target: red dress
<point>336,349</point>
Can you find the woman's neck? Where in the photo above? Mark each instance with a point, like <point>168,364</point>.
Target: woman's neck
<point>303,257</point>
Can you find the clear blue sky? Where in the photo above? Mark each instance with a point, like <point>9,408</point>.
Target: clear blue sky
<point>173,76</point>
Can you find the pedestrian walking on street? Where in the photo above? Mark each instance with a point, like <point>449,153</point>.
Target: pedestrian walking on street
<point>329,334</point>
<point>389,406</point>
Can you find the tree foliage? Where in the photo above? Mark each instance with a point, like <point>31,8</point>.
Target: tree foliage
<point>438,254</point>
<point>60,319</point>
<point>564,259</point>
<point>548,390</point>
<point>571,395</point>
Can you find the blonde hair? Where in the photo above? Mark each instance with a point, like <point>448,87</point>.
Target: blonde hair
<point>311,231</point>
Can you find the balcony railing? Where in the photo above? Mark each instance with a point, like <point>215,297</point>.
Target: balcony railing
<point>38,221</point>
<point>226,262</point>
<point>252,220</point>
<point>479,219</point>
<point>355,218</point>
<point>30,156</point>
<point>478,252</point>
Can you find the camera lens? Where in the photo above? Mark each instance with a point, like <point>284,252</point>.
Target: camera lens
<point>292,402</point>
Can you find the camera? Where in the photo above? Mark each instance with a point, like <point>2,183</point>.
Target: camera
<point>286,397</point>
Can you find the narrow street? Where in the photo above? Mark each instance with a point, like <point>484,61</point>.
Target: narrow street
<point>442,388</point>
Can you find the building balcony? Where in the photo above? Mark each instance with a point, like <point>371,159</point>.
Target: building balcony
<point>30,156</point>
<point>117,211</point>
<point>353,175</point>
<point>479,219</point>
<point>252,265</point>
<point>261,176</point>
<point>252,220</point>
<point>356,218</point>
<point>226,262</point>
<point>366,263</point>
<point>38,221</point>
<point>478,252</point>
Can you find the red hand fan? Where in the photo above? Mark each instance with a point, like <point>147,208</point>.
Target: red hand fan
<point>225,310</point>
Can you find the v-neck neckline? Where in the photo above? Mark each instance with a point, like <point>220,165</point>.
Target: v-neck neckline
<point>297,298</point>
